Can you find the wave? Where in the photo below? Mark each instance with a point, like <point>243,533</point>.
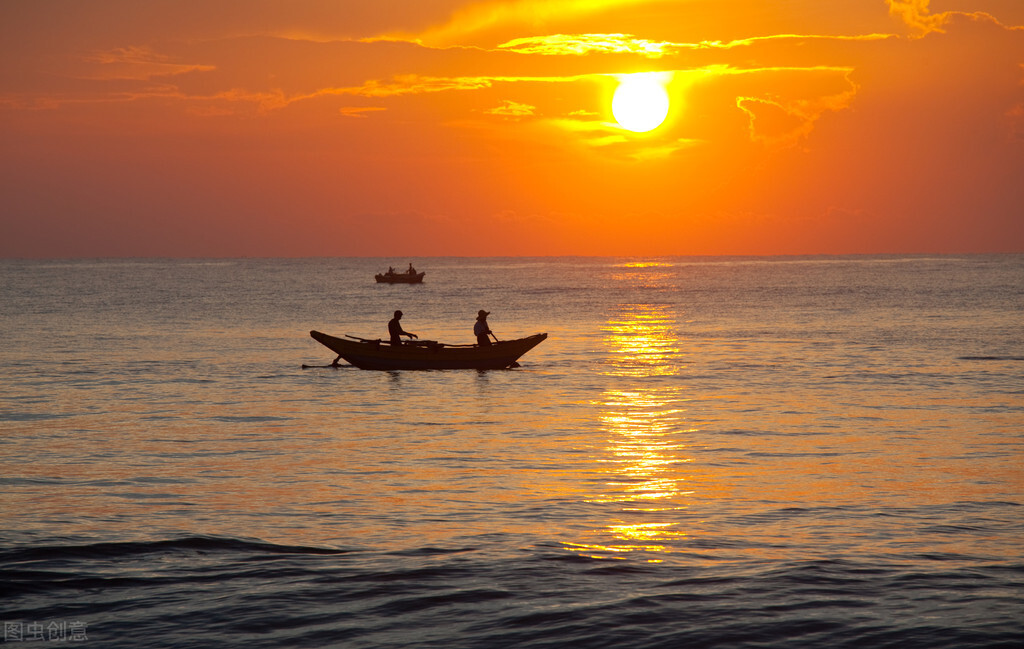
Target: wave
<point>990,358</point>
<point>198,591</point>
<point>128,549</point>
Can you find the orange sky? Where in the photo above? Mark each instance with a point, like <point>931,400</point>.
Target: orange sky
<point>459,127</point>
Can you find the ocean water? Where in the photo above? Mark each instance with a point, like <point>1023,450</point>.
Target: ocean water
<point>705,452</point>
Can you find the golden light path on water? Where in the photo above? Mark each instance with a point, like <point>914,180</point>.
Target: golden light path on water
<point>645,425</point>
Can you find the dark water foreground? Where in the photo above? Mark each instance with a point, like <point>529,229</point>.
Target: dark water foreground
<point>819,452</point>
<point>206,591</point>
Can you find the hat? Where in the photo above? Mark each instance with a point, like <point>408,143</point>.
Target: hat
<point>482,314</point>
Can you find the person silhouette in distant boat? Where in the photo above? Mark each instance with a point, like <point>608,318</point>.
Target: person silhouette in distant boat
<point>481,329</point>
<point>411,271</point>
<point>396,331</point>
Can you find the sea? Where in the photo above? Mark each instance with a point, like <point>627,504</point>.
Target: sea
<point>726,452</point>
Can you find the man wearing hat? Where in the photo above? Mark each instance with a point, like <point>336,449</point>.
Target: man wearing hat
<point>481,329</point>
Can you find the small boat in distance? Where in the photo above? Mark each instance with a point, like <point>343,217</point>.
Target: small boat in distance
<point>410,276</point>
<point>426,354</point>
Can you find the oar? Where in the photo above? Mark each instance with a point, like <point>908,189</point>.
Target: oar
<point>335,364</point>
<point>495,337</point>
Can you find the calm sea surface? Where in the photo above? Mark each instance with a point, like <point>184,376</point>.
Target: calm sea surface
<point>726,452</point>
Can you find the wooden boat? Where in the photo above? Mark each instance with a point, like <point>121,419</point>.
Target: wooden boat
<point>392,277</point>
<point>426,354</point>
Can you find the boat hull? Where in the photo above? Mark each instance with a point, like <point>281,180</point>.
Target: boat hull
<point>379,355</point>
<point>400,278</point>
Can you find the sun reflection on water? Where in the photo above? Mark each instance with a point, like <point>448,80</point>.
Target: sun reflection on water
<point>646,447</point>
<point>643,342</point>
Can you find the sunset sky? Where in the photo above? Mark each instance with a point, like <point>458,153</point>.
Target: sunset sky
<point>484,127</point>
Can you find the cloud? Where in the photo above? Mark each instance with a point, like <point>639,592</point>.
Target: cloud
<point>137,63</point>
<point>412,84</point>
<point>359,111</point>
<point>659,151</point>
<point>409,84</point>
<point>582,44</point>
<point>476,18</point>
<point>780,122</point>
<point>512,109</point>
<point>916,14</point>
<point>798,38</point>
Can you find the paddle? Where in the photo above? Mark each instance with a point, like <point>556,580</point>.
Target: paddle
<point>334,364</point>
<point>495,337</point>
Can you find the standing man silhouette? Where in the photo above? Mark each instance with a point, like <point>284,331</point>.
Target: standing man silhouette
<point>396,331</point>
<point>481,329</point>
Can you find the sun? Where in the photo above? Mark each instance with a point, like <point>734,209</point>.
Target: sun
<point>640,103</point>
